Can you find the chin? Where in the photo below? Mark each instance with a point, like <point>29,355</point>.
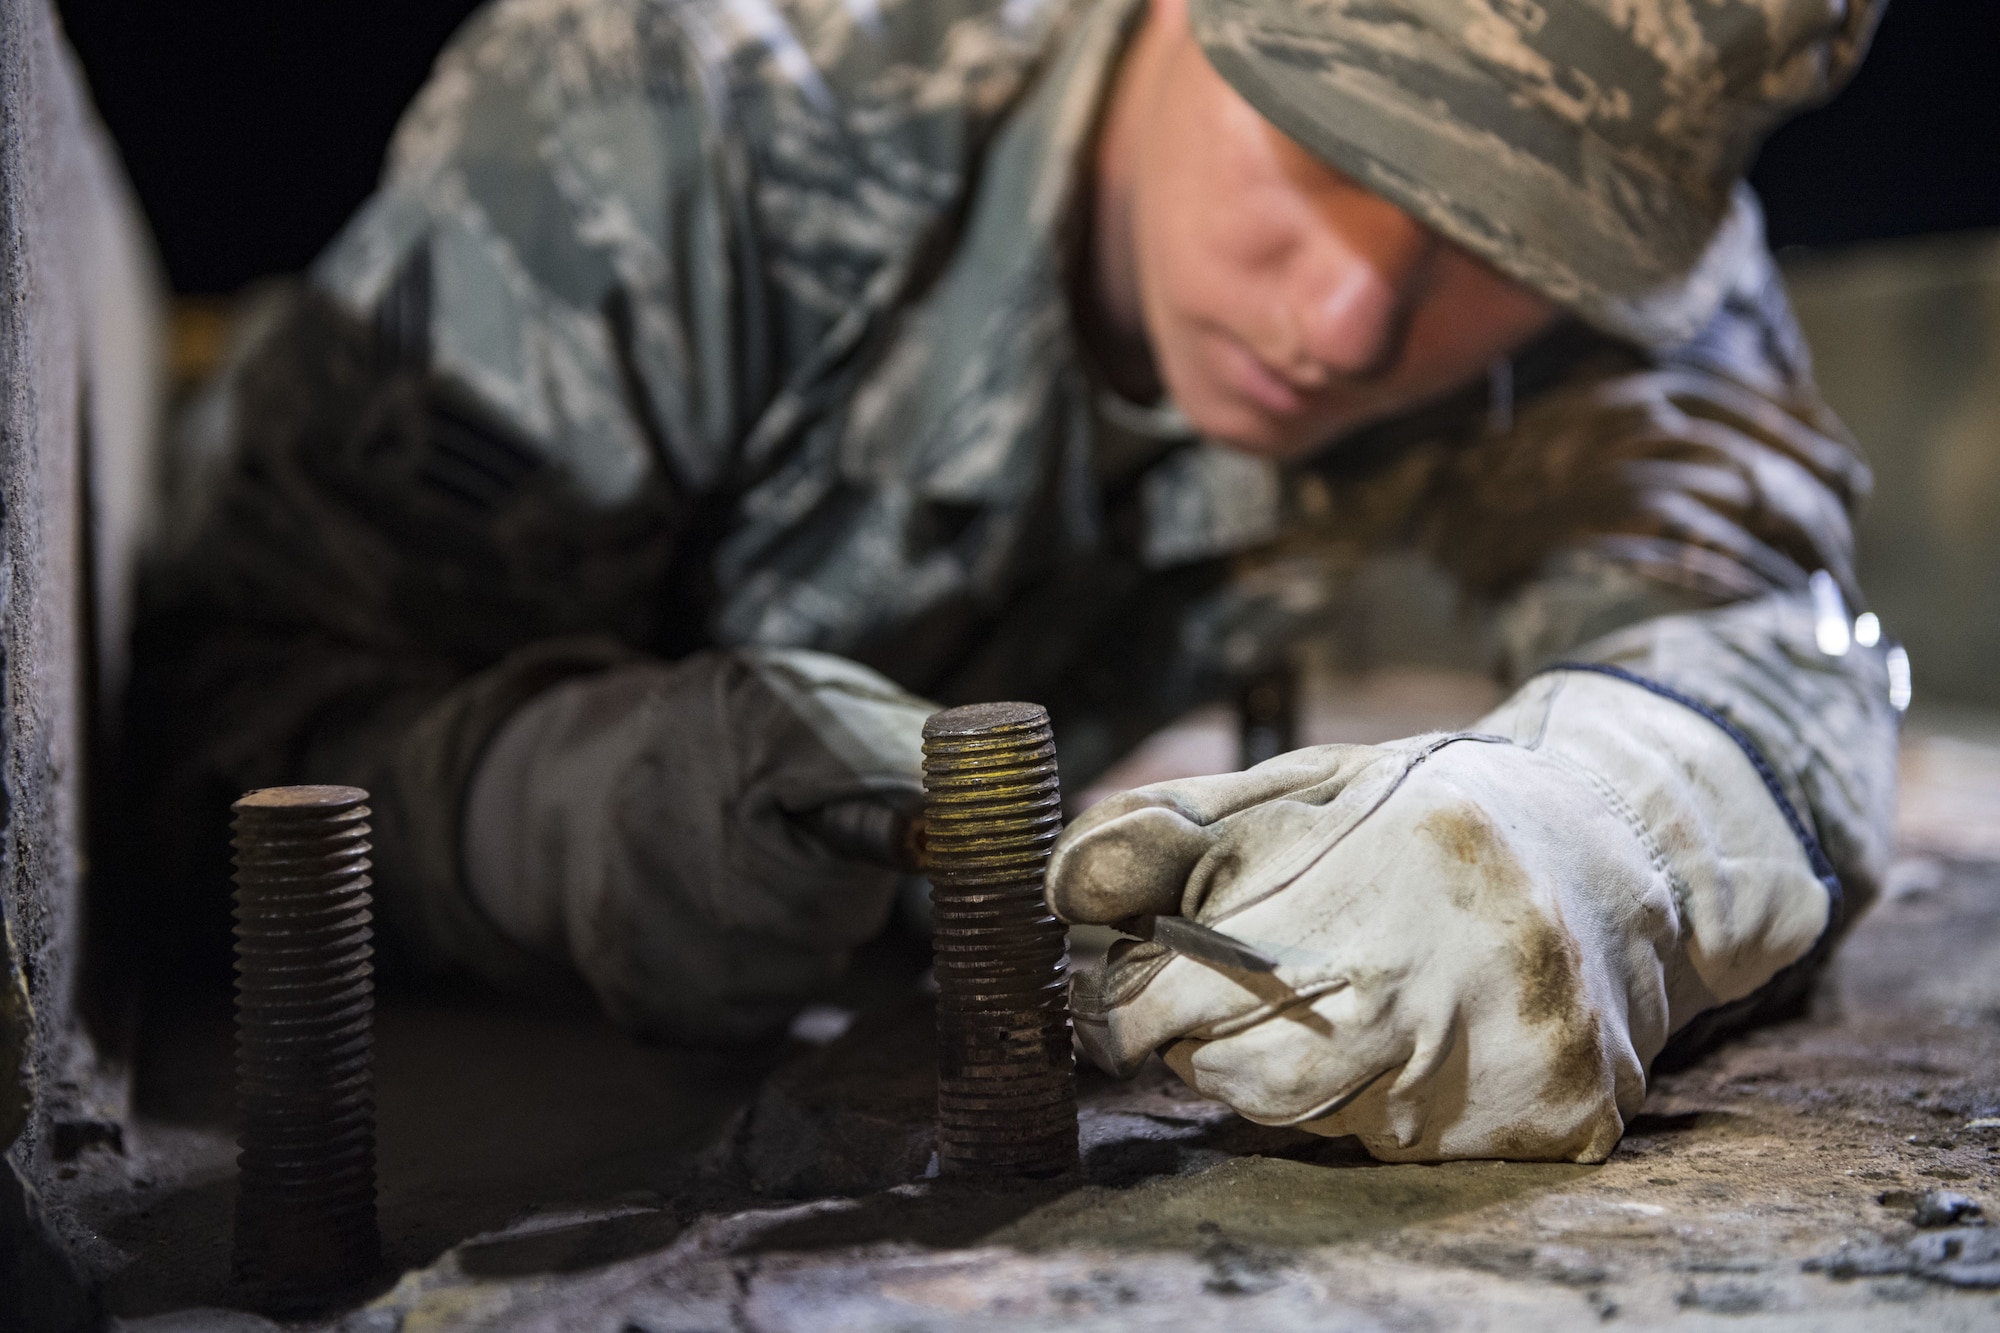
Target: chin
<point>1247,429</point>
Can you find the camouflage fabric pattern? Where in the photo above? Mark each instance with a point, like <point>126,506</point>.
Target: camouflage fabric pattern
<point>719,322</point>
<point>1588,148</point>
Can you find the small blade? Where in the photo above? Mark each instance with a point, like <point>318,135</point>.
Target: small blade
<point>1199,942</point>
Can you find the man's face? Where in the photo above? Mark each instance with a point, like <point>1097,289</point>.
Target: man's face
<point>1284,304</point>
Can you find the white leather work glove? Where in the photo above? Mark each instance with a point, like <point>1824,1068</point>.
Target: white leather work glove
<point>1483,938</point>
<point>656,827</point>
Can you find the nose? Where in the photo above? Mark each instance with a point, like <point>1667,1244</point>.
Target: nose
<point>1355,285</point>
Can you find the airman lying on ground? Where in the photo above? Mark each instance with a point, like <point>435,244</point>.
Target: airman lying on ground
<point>713,381</point>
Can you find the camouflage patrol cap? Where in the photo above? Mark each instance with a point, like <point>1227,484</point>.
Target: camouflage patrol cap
<point>1591,149</point>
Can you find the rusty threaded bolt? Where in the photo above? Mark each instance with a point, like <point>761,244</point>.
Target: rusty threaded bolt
<point>1006,1072</point>
<point>305,1203</point>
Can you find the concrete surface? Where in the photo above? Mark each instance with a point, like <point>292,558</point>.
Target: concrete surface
<point>541,1172</point>
<point>78,398</point>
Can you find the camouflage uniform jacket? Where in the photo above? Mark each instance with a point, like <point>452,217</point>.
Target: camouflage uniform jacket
<point>686,322</point>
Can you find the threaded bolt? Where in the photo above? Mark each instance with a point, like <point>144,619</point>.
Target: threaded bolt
<point>1006,1073</point>
<point>305,1203</point>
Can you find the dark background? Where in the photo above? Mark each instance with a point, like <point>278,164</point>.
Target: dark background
<point>252,128</point>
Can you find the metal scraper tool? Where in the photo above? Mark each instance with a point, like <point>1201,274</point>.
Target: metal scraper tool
<point>878,833</point>
<point>1199,942</point>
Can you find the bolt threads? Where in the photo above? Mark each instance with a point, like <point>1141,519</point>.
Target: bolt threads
<point>305,1203</point>
<point>1006,1071</point>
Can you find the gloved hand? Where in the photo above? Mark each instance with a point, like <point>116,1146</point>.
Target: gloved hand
<point>1484,937</point>
<point>652,825</point>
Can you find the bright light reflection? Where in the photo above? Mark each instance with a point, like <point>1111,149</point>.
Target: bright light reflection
<point>1898,662</point>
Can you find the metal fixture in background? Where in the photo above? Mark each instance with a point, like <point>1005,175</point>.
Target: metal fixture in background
<point>305,1203</point>
<point>1268,709</point>
<point>1006,1071</point>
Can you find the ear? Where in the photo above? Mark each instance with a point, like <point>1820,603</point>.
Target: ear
<point>1128,856</point>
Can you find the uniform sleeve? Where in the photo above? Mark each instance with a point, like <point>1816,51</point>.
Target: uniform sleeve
<point>1665,520</point>
<point>459,463</point>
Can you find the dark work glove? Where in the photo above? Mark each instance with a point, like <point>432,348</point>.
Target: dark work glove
<point>660,827</point>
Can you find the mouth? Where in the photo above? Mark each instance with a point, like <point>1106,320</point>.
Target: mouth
<point>1253,379</point>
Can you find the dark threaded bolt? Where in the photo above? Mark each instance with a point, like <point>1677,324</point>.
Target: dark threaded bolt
<point>305,999</point>
<point>1006,1073</point>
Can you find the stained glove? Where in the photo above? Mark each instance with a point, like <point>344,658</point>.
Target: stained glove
<point>1483,938</point>
<point>653,826</point>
